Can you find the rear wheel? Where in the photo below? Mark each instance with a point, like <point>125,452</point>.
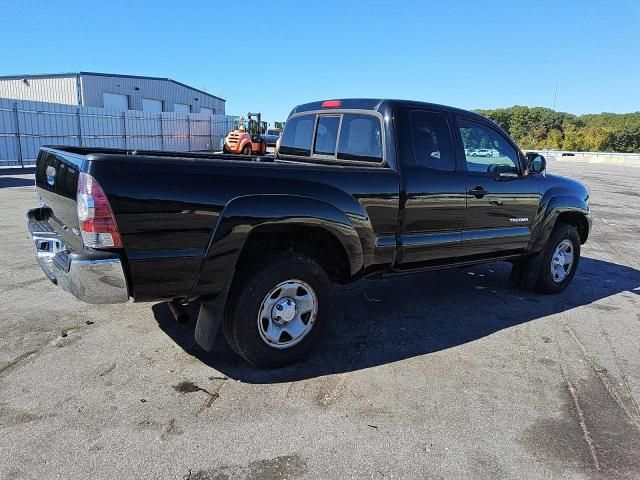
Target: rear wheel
<point>560,259</point>
<point>278,314</point>
<point>246,150</point>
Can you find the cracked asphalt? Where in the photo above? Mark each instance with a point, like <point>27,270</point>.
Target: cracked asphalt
<point>442,375</point>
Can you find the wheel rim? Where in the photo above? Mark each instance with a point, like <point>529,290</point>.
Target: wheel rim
<point>287,314</point>
<point>562,261</point>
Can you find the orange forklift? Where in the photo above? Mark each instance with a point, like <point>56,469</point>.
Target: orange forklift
<point>246,138</point>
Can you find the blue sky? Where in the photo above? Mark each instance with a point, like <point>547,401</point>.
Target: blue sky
<point>269,56</point>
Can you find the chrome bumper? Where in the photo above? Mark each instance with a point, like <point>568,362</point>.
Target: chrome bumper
<point>90,276</point>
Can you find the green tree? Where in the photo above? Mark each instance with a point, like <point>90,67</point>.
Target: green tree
<point>540,127</point>
<point>554,139</point>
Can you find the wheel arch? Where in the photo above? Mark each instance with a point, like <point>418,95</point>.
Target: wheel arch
<point>246,143</point>
<point>564,209</point>
<point>578,220</point>
<point>250,223</point>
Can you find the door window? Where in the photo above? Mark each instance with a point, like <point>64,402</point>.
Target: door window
<point>432,144</point>
<point>486,151</point>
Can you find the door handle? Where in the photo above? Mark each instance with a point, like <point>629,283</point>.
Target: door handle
<point>478,192</point>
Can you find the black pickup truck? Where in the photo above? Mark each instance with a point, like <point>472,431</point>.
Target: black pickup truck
<point>358,187</point>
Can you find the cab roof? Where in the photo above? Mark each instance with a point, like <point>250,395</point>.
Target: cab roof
<point>381,105</point>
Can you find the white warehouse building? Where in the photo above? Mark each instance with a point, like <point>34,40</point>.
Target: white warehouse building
<point>119,92</point>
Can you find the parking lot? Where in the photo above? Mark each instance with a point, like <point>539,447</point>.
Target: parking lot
<point>449,374</point>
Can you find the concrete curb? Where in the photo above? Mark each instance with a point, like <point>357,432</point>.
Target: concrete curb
<point>608,160</point>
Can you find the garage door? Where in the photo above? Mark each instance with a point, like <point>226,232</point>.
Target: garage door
<point>151,105</point>
<point>116,101</point>
<point>181,108</point>
<point>206,111</point>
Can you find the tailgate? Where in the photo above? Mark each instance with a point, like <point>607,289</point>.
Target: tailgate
<point>56,184</point>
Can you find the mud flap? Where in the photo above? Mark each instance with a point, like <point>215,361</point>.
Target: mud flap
<point>525,272</point>
<point>210,317</point>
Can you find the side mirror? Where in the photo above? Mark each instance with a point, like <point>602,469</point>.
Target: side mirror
<point>536,163</point>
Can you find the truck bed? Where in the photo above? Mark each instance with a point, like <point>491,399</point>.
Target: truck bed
<point>167,205</point>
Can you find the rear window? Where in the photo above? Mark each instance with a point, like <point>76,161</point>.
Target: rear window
<point>326,135</point>
<point>343,136</point>
<point>297,136</point>
<point>360,138</point>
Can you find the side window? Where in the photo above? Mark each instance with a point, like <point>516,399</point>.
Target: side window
<point>432,143</point>
<point>296,138</point>
<point>326,135</point>
<point>360,138</point>
<point>486,150</point>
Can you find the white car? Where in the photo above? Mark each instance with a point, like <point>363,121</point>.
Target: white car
<point>480,152</point>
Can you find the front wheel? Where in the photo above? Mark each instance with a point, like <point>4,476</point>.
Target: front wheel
<point>278,311</point>
<point>560,259</point>
<point>246,150</point>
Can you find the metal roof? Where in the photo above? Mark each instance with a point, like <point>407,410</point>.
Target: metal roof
<point>98,74</point>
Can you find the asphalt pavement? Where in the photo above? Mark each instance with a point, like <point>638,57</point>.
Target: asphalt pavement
<point>448,374</point>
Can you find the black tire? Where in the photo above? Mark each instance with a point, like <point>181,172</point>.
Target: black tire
<point>241,327</point>
<point>545,282</point>
<point>246,150</point>
<point>225,149</point>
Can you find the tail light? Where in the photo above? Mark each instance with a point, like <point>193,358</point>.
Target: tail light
<point>97,223</point>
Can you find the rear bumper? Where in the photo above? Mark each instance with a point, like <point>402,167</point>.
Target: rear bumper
<point>89,275</point>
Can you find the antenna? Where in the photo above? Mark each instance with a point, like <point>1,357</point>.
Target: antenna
<point>555,96</point>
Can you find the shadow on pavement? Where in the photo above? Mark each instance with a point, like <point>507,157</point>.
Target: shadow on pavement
<point>379,322</point>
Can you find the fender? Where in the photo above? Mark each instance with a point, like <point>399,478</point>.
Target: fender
<point>552,207</point>
<point>243,143</point>
<point>236,222</point>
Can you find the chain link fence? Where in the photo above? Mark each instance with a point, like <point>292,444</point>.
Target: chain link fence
<point>25,126</point>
